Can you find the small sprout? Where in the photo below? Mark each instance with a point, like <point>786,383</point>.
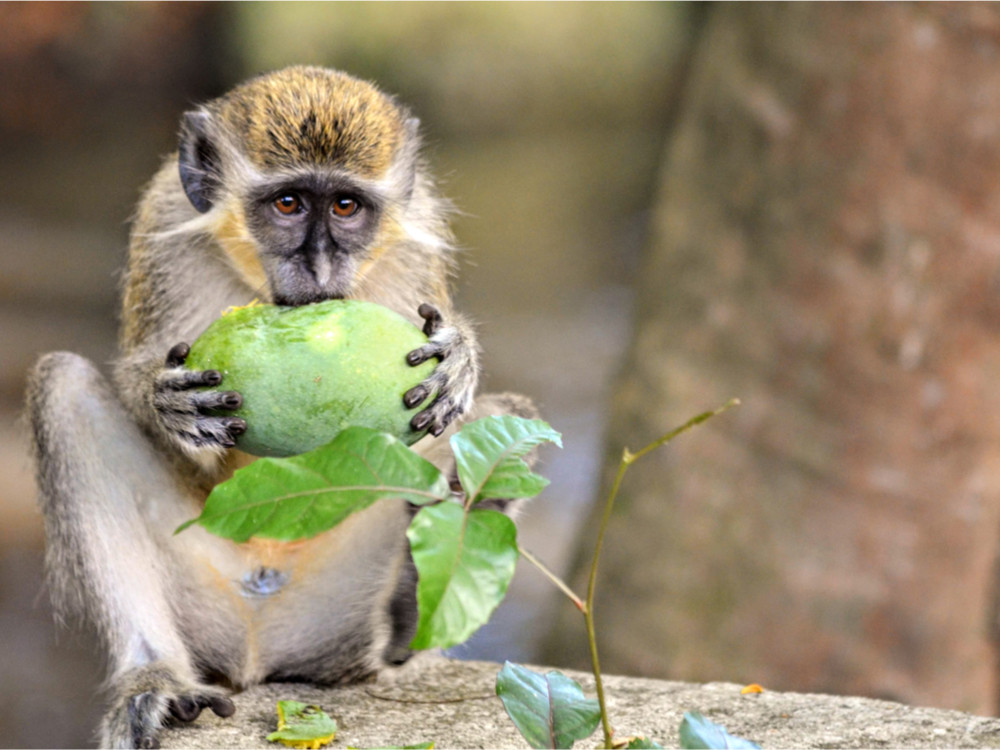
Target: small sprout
<point>303,726</point>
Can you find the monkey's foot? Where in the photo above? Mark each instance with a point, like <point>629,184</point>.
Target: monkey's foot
<point>453,380</point>
<point>189,414</point>
<point>146,699</point>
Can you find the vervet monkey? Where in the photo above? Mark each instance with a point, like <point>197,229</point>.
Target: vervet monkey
<point>298,186</point>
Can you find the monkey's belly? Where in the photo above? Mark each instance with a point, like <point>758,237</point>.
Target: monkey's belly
<point>313,610</point>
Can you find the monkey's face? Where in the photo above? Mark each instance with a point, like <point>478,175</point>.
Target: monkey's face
<point>312,233</point>
<point>309,162</point>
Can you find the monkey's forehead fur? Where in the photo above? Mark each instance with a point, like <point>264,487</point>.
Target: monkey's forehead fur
<point>309,115</point>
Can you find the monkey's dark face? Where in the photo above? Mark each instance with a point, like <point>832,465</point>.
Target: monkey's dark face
<point>313,233</point>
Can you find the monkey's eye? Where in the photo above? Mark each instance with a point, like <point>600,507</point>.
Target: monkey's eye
<point>288,204</point>
<point>344,207</point>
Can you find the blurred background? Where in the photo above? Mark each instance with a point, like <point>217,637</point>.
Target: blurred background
<point>662,206</point>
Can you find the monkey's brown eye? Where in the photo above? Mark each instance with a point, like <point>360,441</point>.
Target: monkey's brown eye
<point>287,204</point>
<point>344,207</point>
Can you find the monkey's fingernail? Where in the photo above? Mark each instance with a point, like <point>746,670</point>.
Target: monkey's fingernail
<point>184,708</point>
<point>414,396</point>
<point>455,485</point>
<point>211,377</point>
<point>437,429</point>
<point>232,400</point>
<point>420,421</point>
<point>235,425</point>
<point>149,742</point>
<point>415,357</point>
<point>222,707</point>
<point>177,355</point>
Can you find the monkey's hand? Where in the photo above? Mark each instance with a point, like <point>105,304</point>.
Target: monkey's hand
<point>185,413</point>
<point>145,699</point>
<point>455,378</point>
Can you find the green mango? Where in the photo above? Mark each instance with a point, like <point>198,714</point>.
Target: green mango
<point>308,372</point>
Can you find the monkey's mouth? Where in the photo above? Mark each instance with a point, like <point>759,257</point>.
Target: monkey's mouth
<point>297,300</point>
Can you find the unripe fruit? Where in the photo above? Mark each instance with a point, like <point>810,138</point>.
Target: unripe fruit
<point>306,373</point>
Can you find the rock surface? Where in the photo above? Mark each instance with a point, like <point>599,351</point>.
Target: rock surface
<point>452,703</point>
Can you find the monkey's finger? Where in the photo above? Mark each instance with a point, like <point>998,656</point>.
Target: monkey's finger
<point>416,395</point>
<point>208,400</point>
<point>424,353</point>
<point>442,423</point>
<point>149,742</point>
<point>421,420</point>
<point>235,425</point>
<point>433,317</point>
<point>182,381</point>
<point>185,708</point>
<point>222,430</point>
<point>195,379</point>
<point>178,355</point>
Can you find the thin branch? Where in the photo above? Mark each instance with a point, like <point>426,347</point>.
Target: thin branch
<point>628,458</point>
<point>560,584</point>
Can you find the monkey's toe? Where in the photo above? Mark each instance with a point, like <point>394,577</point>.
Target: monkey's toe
<point>184,708</point>
<point>188,707</point>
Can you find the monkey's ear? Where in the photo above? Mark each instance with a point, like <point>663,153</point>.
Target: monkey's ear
<point>198,161</point>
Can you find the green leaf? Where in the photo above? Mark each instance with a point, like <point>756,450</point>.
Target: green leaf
<point>643,743</point>
<point>698,732</point>
<point>489,451</point>
<point>548,709</point>
<point>298,497</point>
<point>303,726</point>
<point>464,564</point>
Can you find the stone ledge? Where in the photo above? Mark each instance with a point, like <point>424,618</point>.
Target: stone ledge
<point>452,704</point>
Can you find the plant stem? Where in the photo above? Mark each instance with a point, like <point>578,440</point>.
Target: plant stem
<point>588,613</point>
<point>587,607</point>
<point>628,458</point>
<point>559,583</point>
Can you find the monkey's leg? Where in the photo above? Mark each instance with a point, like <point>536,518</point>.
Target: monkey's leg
<point>102,486</point>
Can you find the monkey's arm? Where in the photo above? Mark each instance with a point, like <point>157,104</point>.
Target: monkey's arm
<point>173,290</point>
<point>455,378</point>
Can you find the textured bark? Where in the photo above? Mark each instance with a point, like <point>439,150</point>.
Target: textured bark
<point>826,247</point>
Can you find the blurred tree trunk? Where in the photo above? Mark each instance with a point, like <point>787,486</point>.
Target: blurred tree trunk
<point>826,247</point>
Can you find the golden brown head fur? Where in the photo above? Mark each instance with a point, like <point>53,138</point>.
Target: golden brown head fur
<point>309,116</point>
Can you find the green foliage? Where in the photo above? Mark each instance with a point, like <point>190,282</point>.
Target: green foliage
<point>298,497</point>
<point>643,743</point>
<point>698,732</point>
<point>301,725</point>
<point>489,456</point>
<point>465,556</point>
<point>550,710</point>
<point>465,560</point>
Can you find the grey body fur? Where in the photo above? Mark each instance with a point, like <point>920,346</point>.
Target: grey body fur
<point>121,466</point>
